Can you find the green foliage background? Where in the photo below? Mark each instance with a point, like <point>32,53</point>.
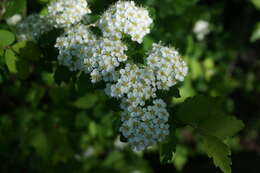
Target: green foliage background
<point>53,120</point>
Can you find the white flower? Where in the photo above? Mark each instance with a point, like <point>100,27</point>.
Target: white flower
<point>64,13</point>
<point>144,127</point>
<point>32,27</point>
<point>95,76</point>
<point>135,84</point>
<point>167,65</point>
<point>72,46</point>
<point>79,49</point>
<point>125,18</point>
<point>105,56</point>
<point>201,29</point>
<point>13,20</point>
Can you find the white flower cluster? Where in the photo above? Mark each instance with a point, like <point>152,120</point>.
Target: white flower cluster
<point>64,13</point>
<point>135,84</point>
<point>125,18</point>
<point>79,49</point>
<point>14,20</point>
<point>32,27</point>
<point>169,68</point>
<point>201,29</point>
<point>145,126</point>
<point>72,45</point>
<point>104,58</point>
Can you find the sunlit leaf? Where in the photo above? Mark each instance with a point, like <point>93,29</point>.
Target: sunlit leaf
<point>6,38</point>
<point>10,60</point>
<point>256,3</point>
<point>218,151</point>
<point>256,33</point>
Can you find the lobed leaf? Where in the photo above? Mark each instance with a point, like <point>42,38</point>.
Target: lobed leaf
<point>218,151</point>
<point>206,115</point>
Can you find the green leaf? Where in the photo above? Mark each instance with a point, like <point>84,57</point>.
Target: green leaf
<point>81,120</point>
<point>219,151</point>
<point>49,38</point>
<point>48,78</point>
<point>256,33</point>
<point>84,84</point>
<point>173,92</point>
<point>27,50</point>
<point>180,157</point>
<point>256,3</point>
<point>196,68</point>
<point>168,147</point>
<point>196,109</point>
<point>96,31</point>
<point>93,18</point>
<point>62,74</point>
<point>6,38</point>
<point>23,69</point>
<point>43,1</point>
<point>60,95</point>
<point>35,94</point>
<point>40,142</point>
<point>15,7</point>
<point>2,51</point>
<point>92,127</point>
<point>16,65</point>
<point>180,5</point>
<point>206,114</point>
<point>10,60</point>
<point>147,43</point>
<point>86,102</point>
<point>221,126</point>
